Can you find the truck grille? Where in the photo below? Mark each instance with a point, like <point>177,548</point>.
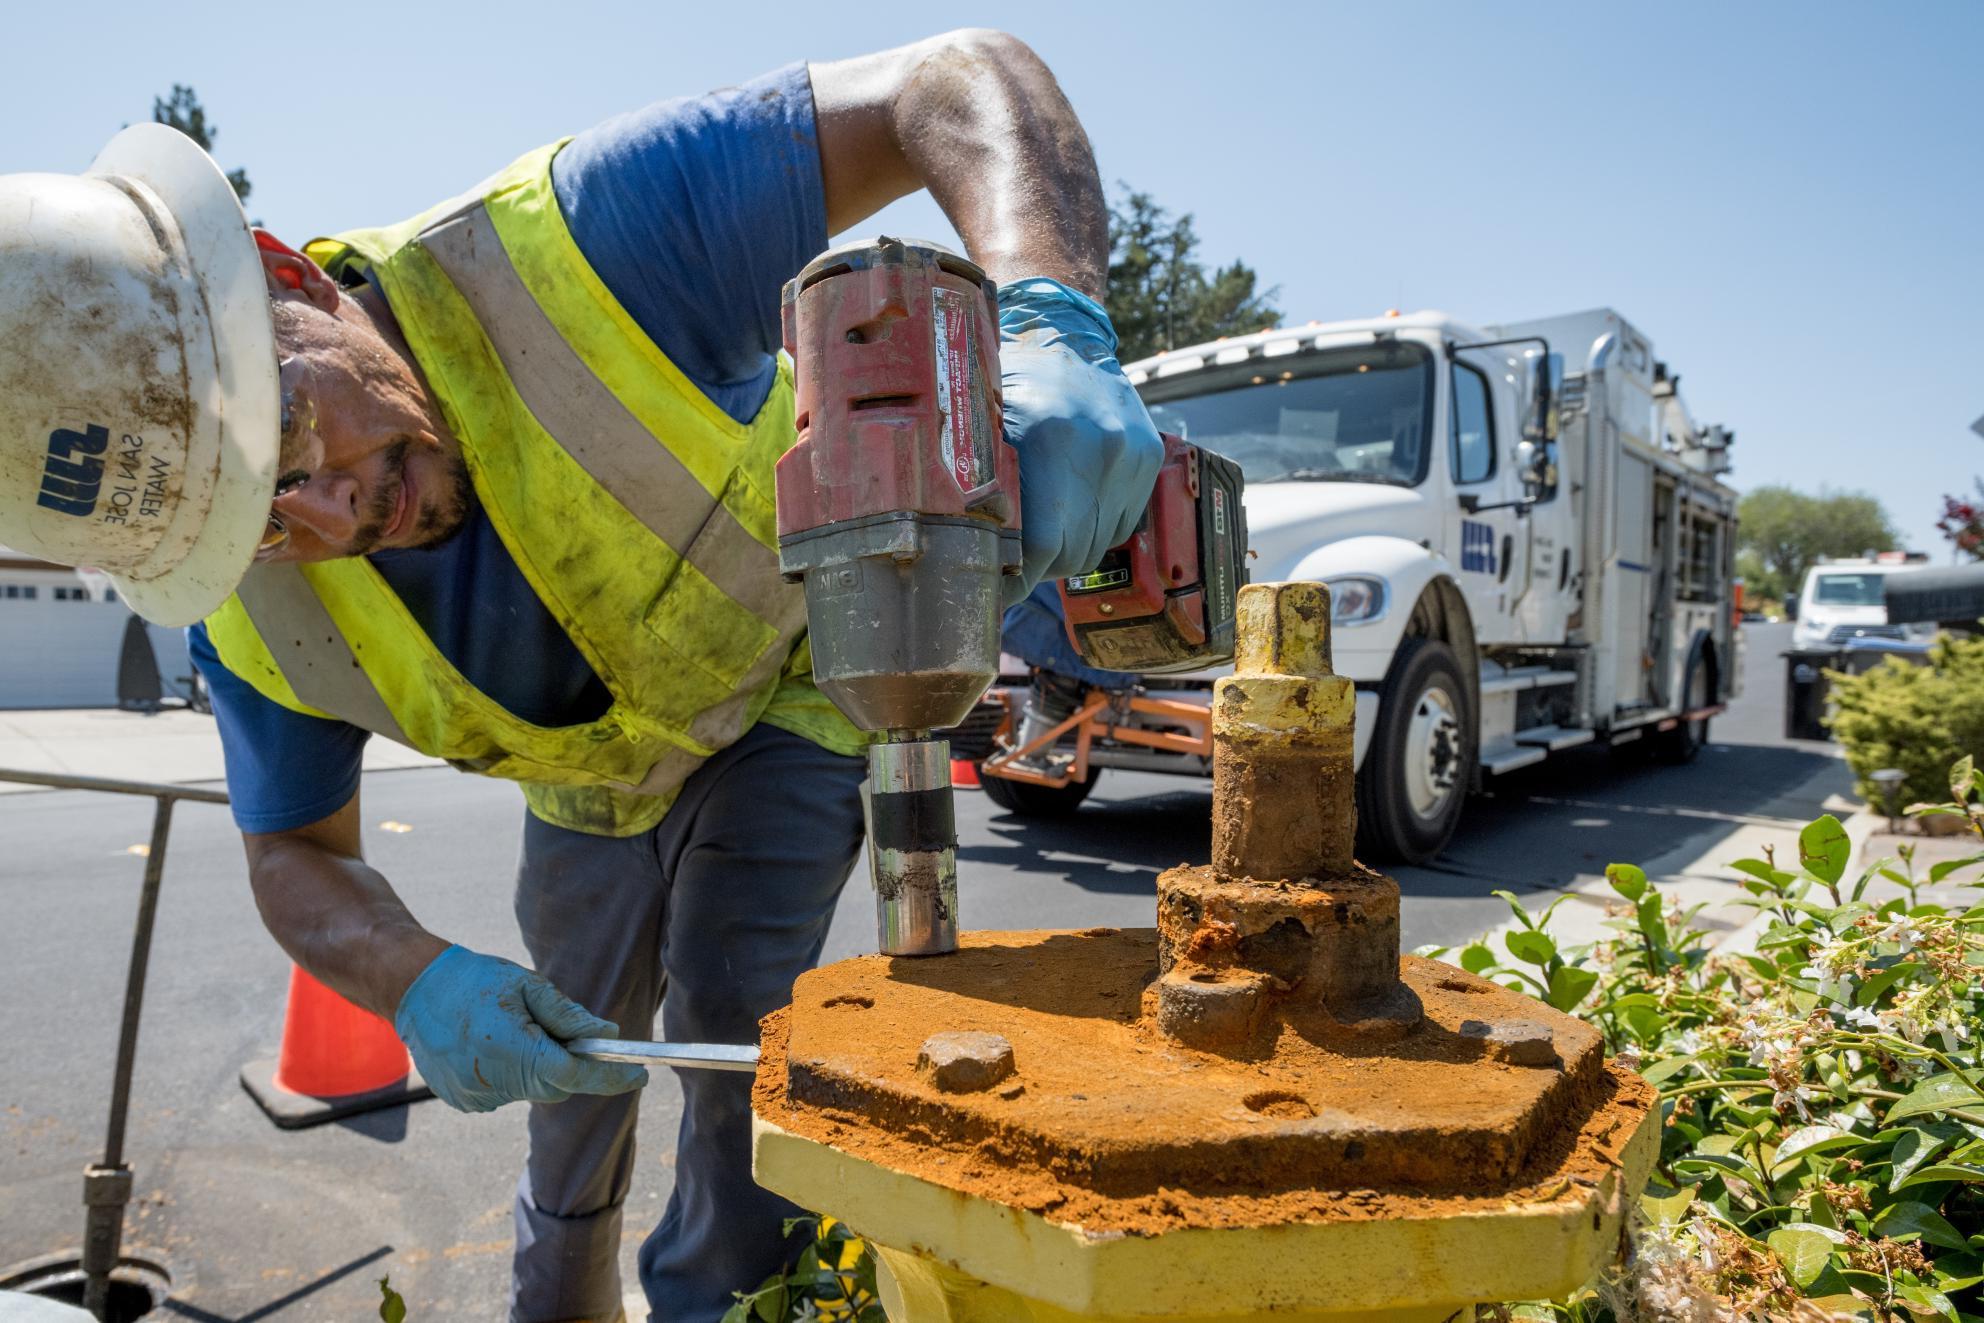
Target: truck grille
<point>1842,634</point>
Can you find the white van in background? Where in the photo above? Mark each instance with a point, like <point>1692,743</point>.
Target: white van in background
<point>1841,601</point>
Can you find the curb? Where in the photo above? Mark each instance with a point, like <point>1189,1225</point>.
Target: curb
<point>1694,873</point>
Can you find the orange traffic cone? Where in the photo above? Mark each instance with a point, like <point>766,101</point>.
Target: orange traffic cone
<point>336,1059</point>
<point>964,772</point>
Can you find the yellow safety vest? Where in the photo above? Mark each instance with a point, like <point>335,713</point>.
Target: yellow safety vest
<point>640,513</point>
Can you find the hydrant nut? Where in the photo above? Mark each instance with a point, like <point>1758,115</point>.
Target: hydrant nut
<point>964,1061</point>
<point>1517,1042</point>
<point>1283,629</point>
<point>1208,1010</point>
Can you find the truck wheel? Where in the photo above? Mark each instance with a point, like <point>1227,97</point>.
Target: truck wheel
<point>1415,774</point>
<point>1685,741</point>
<point>1026,800</point>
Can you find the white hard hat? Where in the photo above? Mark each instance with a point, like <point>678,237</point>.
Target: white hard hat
<point>140,410</point>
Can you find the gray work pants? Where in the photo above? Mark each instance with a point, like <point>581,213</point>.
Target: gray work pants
<point>723,905</point>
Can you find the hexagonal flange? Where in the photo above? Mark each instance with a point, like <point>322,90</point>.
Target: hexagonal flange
<point>1110,1106</point>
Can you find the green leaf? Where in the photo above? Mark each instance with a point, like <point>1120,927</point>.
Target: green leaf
<point>392,1308</point>
<point>1766,970</point>
<point>1529,945</point>
<point>1844,1305</point>
<point>1652,926</point>
<point>1763,872</point>
<point>1938,1093</point>
<point>1522,915</point>
<point>1913,1147</point>
<point>1943,868</point>
<point>1909,1218</point>
<point>1665,1069</point>
<point>1666,1205</point>
<point>1626,879</point>
<point>1813,1139</point>
<point>1569,985</point>
<point>1710,1163</point>
<point>1645,1022</point>
<point>1805,1249</point>
<point>1823,849</point>
<point>1871,990</point>
<point>1476,958</point>
<point>1928,1298</point>
<point>1944,1171</point>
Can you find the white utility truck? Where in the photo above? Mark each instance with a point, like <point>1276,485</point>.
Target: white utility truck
<point>1522,559</point>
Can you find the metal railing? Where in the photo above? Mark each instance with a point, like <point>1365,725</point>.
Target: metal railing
<point>107,1184</point>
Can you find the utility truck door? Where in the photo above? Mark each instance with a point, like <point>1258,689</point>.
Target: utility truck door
<point>1490,544</point>
<point>1544,609</point>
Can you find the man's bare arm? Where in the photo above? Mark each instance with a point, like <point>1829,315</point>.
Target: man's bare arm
<point>336,915</point>
<point>975,117</point>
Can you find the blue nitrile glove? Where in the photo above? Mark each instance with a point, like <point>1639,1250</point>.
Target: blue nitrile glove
<point>1089,453</point>
<point>485,1031</point>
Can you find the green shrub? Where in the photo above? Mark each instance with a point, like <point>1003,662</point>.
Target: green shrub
<point>1821,1100</point>
<point>1916,718</point>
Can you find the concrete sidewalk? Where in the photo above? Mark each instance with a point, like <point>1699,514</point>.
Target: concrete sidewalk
<point>174,746</point>
<point>1691,875</point>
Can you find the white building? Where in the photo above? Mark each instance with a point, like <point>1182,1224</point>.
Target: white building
<point>62,635</point>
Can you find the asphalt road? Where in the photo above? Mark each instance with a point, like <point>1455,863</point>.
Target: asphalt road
<point>260,1224</point>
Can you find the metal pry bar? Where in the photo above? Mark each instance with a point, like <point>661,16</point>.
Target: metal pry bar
<point>700,1056</point>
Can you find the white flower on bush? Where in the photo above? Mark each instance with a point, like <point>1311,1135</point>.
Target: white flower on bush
<point>1859,1017</point>
<point>1770,1040</point>
<point>1904,932</point>
<point>1704,1239</point>
<point>1796,1098</point>
<point>1911,1017</point>
<point>1834,952</point>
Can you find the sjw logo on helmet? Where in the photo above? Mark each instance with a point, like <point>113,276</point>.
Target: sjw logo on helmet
<point>72,476</point>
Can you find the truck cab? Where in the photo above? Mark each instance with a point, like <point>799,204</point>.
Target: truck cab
<point>1522,558</point>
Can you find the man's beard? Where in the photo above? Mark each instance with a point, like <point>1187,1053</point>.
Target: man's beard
<point>437,523</point>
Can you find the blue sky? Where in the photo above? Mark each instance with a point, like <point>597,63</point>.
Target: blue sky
<point>1786,198</point>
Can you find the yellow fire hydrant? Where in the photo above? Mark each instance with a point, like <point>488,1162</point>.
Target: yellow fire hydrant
<point>1256,1110</point>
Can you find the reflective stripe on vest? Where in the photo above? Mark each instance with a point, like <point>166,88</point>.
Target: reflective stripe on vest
<point>320,666</point>
<point>638,512</point>
<point>595,428</point>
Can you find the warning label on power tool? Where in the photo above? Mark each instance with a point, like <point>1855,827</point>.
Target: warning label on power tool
<point>964,421</point>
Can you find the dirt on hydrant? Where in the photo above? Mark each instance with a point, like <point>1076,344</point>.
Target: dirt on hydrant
<point>1107,1124</point>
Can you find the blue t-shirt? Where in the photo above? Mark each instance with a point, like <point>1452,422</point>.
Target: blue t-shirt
<point>693,212</point>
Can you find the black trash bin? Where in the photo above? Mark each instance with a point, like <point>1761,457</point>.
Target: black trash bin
<point>1805,689</point>
<point>1807,692</point>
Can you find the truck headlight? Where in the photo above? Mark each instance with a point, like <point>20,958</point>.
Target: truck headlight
<point>1358,599</point>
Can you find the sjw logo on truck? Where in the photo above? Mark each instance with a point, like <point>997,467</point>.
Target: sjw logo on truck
<point>72,475</point>
<point>1477,547</point>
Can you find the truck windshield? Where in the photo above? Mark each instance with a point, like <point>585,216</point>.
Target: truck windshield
<point>1357,415</point>
<point>1847,590</point>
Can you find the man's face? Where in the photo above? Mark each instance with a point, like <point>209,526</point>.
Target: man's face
<point>366,464</point>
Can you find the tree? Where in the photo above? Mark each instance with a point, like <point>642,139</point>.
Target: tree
<point>1160,296</point>
<point>1781,533</point>
<point>183,111</point>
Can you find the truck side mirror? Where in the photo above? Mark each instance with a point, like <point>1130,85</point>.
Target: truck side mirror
<point>1546,387</point>
<point>1536,466</point>
<point>1791,606</point>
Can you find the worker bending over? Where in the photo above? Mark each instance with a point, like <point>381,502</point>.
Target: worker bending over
<point>504,472</point>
